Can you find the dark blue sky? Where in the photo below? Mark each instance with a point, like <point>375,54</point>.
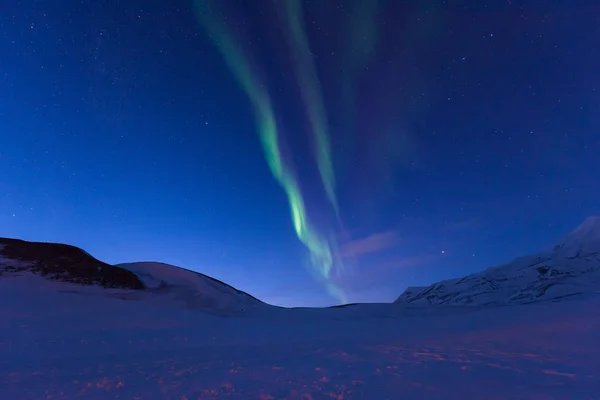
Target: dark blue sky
<point>472,137</point>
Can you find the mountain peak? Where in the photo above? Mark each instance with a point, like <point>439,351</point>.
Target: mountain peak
<point>585,239</point>
<point>591,226</point>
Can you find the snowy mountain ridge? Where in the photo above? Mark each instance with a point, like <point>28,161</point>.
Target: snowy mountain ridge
<point>570,269</point>
<point>65,268</point>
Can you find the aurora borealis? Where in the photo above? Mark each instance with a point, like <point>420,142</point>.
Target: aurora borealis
<point>308,152</point>
<point>320,249</point>
<point>311,93</point>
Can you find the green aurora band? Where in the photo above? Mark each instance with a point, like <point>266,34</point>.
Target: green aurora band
<point>311,95</point>
<point>320,249</point>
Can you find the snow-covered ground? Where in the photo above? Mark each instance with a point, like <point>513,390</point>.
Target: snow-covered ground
<point>529,329</point>
<point>62,341</point>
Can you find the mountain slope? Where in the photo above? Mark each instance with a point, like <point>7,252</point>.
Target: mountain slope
<point>571,268</point>
<point>62,263</point>
<point>71,269</point>
<point>191,289</point>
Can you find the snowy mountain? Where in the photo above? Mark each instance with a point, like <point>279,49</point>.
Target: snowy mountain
<point>71,269</point>
<point>569,269</point>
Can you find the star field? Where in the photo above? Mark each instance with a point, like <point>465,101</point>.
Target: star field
<point>450,137</point>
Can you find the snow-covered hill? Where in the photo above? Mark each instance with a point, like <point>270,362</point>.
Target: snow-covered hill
<point>61,263</point>
<point>569,269</point>
<point>189,289</point>
<point>70,269</point>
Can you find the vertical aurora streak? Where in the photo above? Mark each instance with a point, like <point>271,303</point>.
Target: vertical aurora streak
<point>310,89</point>
<point>240,66</point>
<point>363,33</point>
<point>361,38</point>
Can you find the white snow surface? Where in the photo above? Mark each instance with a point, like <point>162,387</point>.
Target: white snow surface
<point>189,336</point>
<point>569,269</point>
<point>59,341</point>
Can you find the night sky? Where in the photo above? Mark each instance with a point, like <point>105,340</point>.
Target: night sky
<point>309,153</point>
